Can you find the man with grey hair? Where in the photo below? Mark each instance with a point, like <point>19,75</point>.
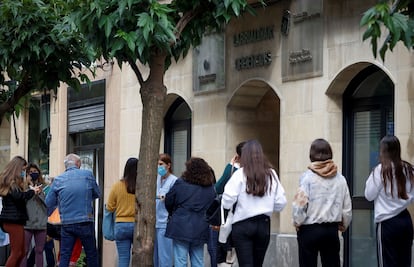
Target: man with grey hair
<point>73,192</point>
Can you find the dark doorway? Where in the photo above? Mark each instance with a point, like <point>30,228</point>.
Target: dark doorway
<point>368,115</point>
<point>177,141</point>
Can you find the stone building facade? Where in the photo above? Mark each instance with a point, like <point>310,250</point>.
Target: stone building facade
<point>296,71</point>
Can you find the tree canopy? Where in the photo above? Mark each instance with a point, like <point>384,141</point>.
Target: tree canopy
<point>38,51</point>
<point>131,30</point>
<point>396,18</point>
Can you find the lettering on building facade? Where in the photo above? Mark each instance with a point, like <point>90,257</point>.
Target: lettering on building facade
<point>301,17</point>
<point>205,79</point>
<point>253,36</point>
<point>254,61</point>
<point>262,59</point>
<point>301,56</point>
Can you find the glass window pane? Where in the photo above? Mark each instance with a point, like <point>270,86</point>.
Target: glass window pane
<point>363,239</point>
<point>179,151</point>
<point>367,134</point>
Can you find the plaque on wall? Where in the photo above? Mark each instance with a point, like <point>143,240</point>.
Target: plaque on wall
<point>302,41</point>
<point>208,63</point>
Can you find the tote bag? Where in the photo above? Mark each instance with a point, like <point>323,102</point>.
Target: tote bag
<point>54,225</point>
<point>108,225</point>
<point>226,226</point>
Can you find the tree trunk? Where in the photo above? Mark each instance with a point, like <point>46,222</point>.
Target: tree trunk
<point>153,95</point>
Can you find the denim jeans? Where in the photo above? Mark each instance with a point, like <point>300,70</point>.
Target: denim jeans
<point>124,234</point>
<point>163,249</point>
<point>212,246</point>
<point>181,251</point>
<point>85,231</point>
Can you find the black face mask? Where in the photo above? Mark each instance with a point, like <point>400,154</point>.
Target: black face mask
<point>34,176</point>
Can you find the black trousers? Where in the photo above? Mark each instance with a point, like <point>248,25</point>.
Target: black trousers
<point>250,239</point>
<point>318,238</point>
<point>394,241</point>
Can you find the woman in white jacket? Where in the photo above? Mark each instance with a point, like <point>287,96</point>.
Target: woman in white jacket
<point>321,207</point>
<point>391,186</point>
<point>258,193</point>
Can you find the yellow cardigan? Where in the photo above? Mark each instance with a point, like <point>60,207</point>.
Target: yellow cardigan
<point>121,202</point>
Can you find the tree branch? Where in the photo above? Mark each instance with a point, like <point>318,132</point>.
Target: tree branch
<point>136,71</point>
<point>8,106</point>
<point>185,19</point>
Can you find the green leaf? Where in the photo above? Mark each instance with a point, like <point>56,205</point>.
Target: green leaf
<point>367,17</point>
<point>108,27</point>
<point>236,8</point>
<point>374,46</point>
<point>400,21</point>
<point>383,50</point>
<point>130,39</point>
<point>367,34</point>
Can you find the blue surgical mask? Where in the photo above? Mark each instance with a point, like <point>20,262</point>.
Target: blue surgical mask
<point>23,174</point>
<point>35,176</point>
<point>162,170</point>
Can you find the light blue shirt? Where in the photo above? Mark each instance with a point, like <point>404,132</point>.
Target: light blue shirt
<point>163,186</point>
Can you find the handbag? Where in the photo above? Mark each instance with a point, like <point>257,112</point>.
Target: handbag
<point>226,225</point>
<point>53,227</point>
<point>108,225</point>
<point>212,214</point>
<point>214,210</point>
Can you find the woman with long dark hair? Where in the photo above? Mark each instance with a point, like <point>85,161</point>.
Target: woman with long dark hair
<point>121,200</point>
<point>391,186</point>
<point>258,192</point>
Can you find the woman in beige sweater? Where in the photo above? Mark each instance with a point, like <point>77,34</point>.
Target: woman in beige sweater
<point>122,201</point>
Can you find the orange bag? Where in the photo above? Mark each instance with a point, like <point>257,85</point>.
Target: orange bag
<point>54,218</point>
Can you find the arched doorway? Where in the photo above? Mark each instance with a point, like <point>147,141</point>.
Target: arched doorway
<point>253,112</point>
<point>177,133</point>
<point>368,115</point>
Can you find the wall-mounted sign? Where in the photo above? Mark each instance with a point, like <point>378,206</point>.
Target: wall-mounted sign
<point>254,61</point>
<point>208,63</point>
<point>253,36</point>
<point>261,59</point>
<point>302,44</point>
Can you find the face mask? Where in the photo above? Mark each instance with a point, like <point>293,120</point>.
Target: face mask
<point>162,170</point>
<point>23,174</point>
<point>34,176</point>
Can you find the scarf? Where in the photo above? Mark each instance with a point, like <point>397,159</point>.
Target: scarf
<point>325,169</point>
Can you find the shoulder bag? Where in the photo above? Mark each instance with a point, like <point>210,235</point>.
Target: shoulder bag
<point>108,225</point>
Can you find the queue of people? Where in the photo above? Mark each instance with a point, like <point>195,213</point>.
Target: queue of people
<point>251,191</point>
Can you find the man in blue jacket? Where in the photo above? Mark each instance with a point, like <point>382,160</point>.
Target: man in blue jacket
<point>73,192</point>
